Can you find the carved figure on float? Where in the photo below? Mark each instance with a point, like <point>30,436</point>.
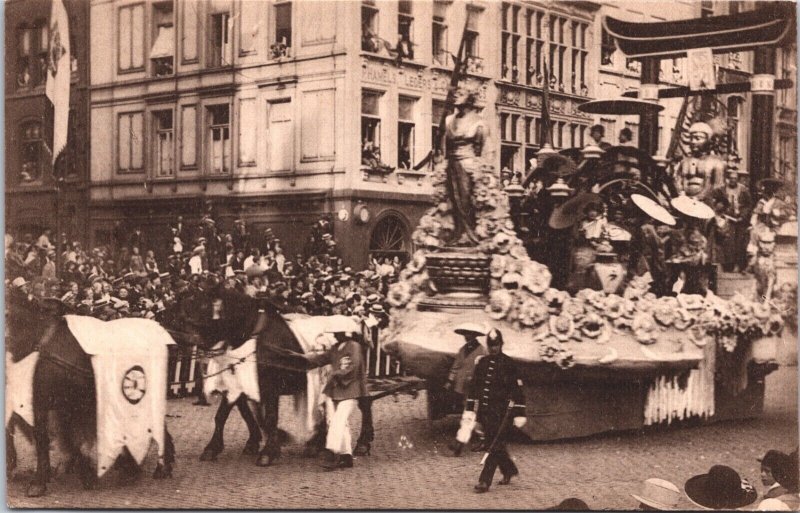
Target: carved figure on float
<point>701,171</point>
<point>465,135</point>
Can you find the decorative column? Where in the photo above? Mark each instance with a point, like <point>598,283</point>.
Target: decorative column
<point>648,121</point>
<point>763,115</point>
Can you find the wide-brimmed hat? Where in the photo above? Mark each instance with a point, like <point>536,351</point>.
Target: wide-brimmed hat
<point>659,494</point>
<point>770,184</point>
<point>653,209</point>
<point>692,207</point>
<point>377,308</point>
<point>773,458</point>
<point>471,328</point>
<point>19,281</point>
<point>571,211</point>
<point>773,505</point>
<point>373,298</point>
<point>720,488</point>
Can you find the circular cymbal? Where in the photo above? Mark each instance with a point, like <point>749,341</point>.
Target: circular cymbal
<point>653,209</point>
<point>692,207</point>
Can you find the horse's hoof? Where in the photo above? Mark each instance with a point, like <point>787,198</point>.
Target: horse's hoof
<point>36,490</point>
<point>162,472</point>
<point>264,461</point>
<point>209,455</point>
<point>250,449</point>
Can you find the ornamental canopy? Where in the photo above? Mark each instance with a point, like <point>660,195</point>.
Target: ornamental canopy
<point>729,33</point>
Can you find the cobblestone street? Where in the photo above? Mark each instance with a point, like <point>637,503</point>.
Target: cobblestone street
<point>601,470</point>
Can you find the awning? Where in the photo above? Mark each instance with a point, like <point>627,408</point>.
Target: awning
<point>730,33</point>
<point>165,43</point>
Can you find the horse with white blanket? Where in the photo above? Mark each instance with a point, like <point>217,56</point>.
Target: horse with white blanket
<point>250,340</point>
<point>105,382</point>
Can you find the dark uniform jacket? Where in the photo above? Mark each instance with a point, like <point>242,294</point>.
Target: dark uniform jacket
<point>495,383</point>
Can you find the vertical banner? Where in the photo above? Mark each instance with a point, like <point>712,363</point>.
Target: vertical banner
<point>58,74</point>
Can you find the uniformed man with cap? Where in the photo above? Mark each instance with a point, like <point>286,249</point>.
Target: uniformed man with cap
<point>460,375</point>
<point>496,400</point>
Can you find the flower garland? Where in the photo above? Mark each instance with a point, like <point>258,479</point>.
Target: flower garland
<point>521,294</point>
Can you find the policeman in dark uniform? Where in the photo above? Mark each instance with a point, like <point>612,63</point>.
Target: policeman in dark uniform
<point>496,397</point>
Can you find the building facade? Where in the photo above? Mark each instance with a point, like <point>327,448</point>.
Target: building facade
<point>282,111</point>
<point>36,193</point>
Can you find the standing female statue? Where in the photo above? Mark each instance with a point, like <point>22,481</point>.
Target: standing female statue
<point>465,134</point>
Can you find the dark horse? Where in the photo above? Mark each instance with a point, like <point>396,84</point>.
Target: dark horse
<point>63,384</point>
<point>241,318</point>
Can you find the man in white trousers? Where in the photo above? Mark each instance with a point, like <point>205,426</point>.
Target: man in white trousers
<point>346,383</point>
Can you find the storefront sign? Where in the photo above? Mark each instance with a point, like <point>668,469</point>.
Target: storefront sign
<point>374,72</point>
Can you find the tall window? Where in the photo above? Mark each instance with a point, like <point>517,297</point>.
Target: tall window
<point>734,107</point>
<point>472,33</point>
<point>163,147</point>
<point>439,33</point>
<point>558,53</point>
<point>130,142</point>
<point>283,29</point>
<point>219,138</point>
<point>510,141</point>
<point>220,41</point>
<point>31,139</point>
<point>32,45</point>
<point>579,55</point>
<point>634,128</point>
<point>162,54</point>
<point>281,137</point>
<point>534,46</point>
<point>370,120</point>
<point>787,158</point>
<point>510,42</point>
<point>405,29</point>
<point>405,132</point>
<point>131,38</point>
<point>370,41</point>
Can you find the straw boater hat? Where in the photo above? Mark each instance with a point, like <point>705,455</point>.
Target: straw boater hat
<point>659,494</point>
<point>471,328</point>
<point>19,282</point>
<point>720,488</point>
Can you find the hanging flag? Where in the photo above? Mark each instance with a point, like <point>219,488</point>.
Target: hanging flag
<point>58,74</point>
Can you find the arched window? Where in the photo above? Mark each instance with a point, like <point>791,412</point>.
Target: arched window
<point>31,152</point>
<point>389,239</point>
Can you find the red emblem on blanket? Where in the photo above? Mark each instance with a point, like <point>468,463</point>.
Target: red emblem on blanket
<point>134,384</point>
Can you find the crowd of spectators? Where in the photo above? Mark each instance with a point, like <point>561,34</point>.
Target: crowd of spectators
<point>125,278</point>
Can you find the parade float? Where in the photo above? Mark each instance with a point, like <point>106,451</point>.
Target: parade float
<point>595,356</point>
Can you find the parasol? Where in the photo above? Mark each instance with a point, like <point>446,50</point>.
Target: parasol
<point>653,209</point>
<point>620,106</point>
<point>569,213</point>
<point>692,207</point>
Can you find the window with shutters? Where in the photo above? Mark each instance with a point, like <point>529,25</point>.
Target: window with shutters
<point>162,53</point>
<point>163,144</point>
<point>405,132</point>
<point>280,136</point>
<point>218,139</point>
<point>317,135</point>
<point>220,42</point>
<point>32,152</point>
<point>130,142</point>
<point>131,38</point>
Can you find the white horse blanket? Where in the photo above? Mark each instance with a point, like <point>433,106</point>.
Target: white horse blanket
<point>311,333</point>
<point>129,359</point>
